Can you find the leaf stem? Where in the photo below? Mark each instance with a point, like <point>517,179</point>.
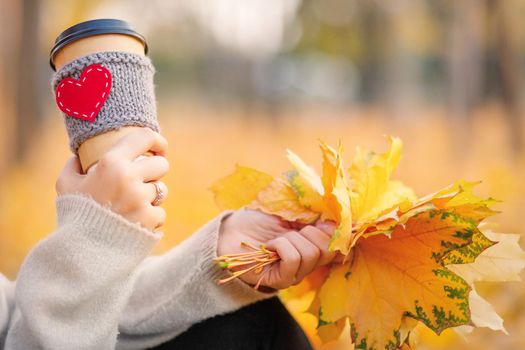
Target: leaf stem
<point>258,261</point>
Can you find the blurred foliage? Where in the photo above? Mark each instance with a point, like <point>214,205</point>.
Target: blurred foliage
<point>202,150</point>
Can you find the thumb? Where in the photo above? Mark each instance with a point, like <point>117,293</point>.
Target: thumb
<point>70,176</point>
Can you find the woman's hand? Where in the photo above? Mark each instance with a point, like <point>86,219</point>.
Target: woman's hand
<point>122,181</point>
<point>301,249</point>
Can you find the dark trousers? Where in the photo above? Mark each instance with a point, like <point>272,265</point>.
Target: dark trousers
<point>265,325</point>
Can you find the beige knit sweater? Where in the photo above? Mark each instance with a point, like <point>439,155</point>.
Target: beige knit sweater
<point>90,285</point>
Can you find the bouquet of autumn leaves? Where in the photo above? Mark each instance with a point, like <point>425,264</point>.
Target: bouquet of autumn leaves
<point>407,260</point>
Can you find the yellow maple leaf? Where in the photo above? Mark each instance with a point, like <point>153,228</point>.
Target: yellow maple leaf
<point>332,331</point>
<point>500,262</point>
<point>458,198</point>
<point>373,193</point>
<point>278,198</point>
<point>240,188</point>
<point>407,326</point>
<point>390,278</point>
<point>483,314</point>
<point>336,197</point>
<point>306,184</point>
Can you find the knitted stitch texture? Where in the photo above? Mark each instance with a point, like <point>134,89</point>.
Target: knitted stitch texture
<point>131,101</point>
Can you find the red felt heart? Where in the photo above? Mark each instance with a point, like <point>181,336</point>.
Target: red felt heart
<point>85,97</point>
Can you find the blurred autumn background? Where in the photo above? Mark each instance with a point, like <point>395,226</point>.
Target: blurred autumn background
<point>239,81</point>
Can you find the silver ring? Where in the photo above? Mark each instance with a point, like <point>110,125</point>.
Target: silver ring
<point>161,194</point>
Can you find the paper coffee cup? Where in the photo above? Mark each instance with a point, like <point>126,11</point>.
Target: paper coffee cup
<point>91,37</point>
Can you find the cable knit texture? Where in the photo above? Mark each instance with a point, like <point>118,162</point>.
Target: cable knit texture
<point>87,285</point>
<point>131,101</point>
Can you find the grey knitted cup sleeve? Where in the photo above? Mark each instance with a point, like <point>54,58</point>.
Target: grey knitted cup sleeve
<point>131,100</point>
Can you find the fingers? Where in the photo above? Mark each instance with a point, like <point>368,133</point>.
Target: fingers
<point>152,191</point>
<point>308,251</point>
<point>298,256</point>
<point>70,176</point>
<point>283,273</point>
<point>158,217</point>
<point>293,225</point>
<point>148,216</point>
<point>301,252</point>
<point>137,143</point>
<point>326,226</point>
<point>151,168</point>
<point>321,240</point>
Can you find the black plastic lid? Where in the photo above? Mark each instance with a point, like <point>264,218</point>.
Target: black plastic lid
<point>90,28</point>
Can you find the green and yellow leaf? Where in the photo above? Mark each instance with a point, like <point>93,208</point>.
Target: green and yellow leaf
<point>390,278</point>
<point>501,262</point>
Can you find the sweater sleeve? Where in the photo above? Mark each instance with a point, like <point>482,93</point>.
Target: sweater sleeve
<point>73,285</point>
<point>178,289</point>
<point>6,306</point>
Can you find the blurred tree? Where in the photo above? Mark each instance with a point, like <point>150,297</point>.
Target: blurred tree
<point>403,67</point>
<point>509,69</point>
<point>373,37</point>
<point>22,69</point>
<point>463,23</point>
<point>10,19</point>
<point>350,29</point>
<point>28,94</point>
<point>465,56</point>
